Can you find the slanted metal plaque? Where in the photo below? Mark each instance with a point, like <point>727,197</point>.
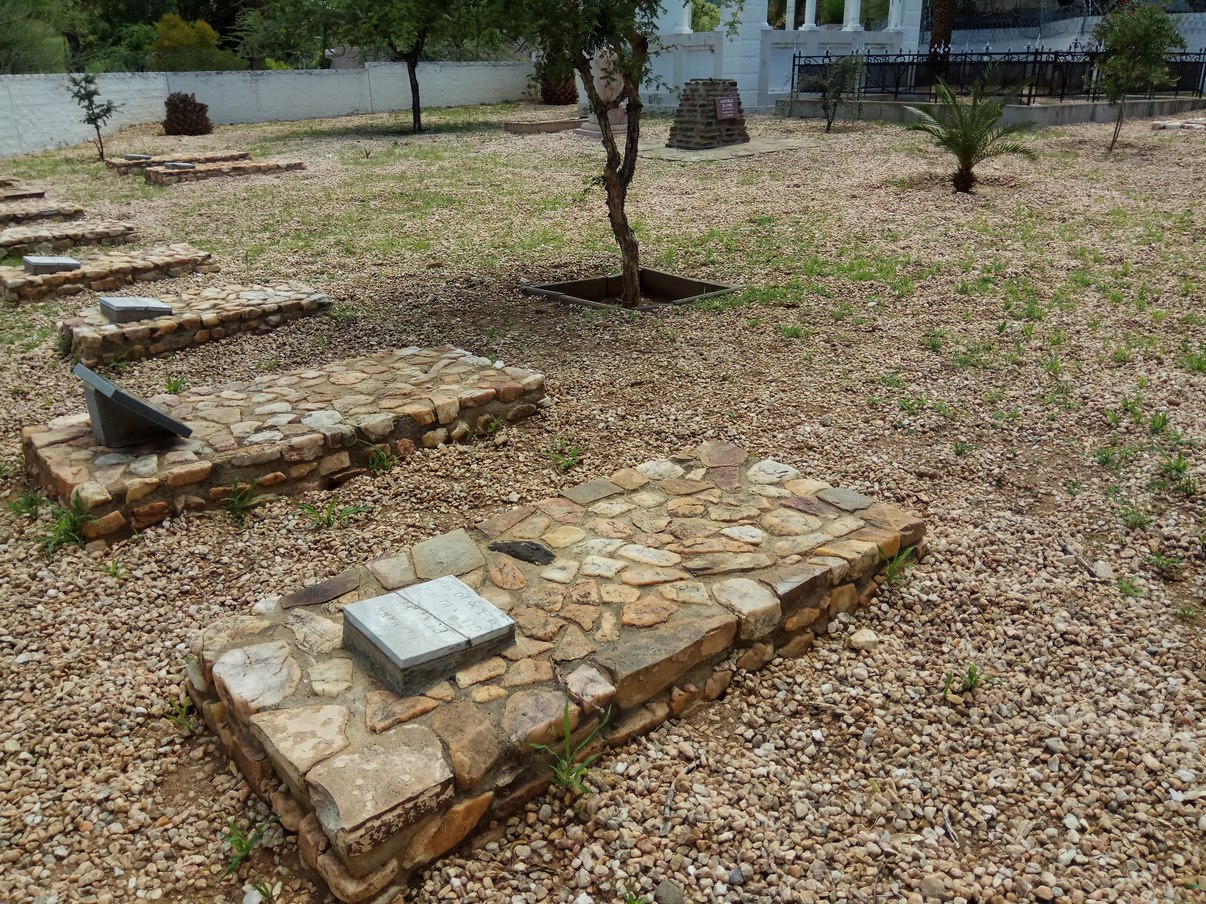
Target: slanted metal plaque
<point>121,419</point>
<point>414,637</point>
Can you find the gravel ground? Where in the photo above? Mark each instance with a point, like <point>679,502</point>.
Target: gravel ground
<point>1023,367</point>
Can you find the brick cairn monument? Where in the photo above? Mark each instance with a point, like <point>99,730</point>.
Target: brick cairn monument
<point>709,116</point>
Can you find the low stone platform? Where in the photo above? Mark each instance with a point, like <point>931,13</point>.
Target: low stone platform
<point>19,193</point>
<point>37,209</point>
<point>288,432</point>
<point>1189,125</point>
<point>125,167</point>
<point>105,272</point>
<point>18,240</point>
<point>656,584</point>
<point>198,316</point>
<point>158,175</point>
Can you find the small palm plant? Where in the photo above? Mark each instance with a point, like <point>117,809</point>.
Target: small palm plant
<point>970,128</point>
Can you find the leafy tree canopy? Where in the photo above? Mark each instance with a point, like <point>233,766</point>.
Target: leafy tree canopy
<point>182,46</point>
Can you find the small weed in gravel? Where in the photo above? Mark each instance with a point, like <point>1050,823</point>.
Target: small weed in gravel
<point>564,455</point>
<point>331,515</point>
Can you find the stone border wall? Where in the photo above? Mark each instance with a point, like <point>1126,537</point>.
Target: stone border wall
<point>158,175</point>
<point>249,432</point>
<point>125,167</point>
<point>746,561</point>
<point>106,272</point>
<point>201,316</point>
<point>19,240</point>
<point>24,211</point>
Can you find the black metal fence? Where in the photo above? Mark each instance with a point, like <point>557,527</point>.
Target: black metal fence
<point>1039,74</point>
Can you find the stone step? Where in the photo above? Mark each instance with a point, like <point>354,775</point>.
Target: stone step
<point>634,598</point>
<point>18,240</point>
<point>105,272</point>
<point>37,209</point>
<point>198,316</point>
<point>124,167</point>
<point>162,175</point>
<point>290,432</point>
<point>16,193</point>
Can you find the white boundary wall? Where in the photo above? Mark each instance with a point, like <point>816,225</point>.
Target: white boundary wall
<point>37,112</point>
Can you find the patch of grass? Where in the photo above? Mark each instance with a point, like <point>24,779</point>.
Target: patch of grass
<point>896,566</point>
<point>242,843</point>
<point>1130,589</point>
<point>974,355</point>
<point>182,717</point>
<point>1133,518</point>
<point>934,339</point>
<point>967,683</point>
<point>843,310</point>
<point>175,384</point>
<point>962,448</point>
<point>67,529</point>
<point>793,331</point>
<point>331,515</point>
<point>242,500</point>
<point>114,569</point>
<point>1171,568</point>
<point>564,455</point>
<point>893,379</point>
<point>1188,613</point>
<point>27,504</point>
<point>568,767</point>
<point>380,459</point>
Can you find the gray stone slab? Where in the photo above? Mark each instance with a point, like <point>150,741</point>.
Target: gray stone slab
<point>414,637</point>
<point>129,310</point>
<point>136,157</point>
<point>38,264</point>
<point>448,554</point>
<point>121,419</point>
<point>591,491</point>
<point>848,500</point>
<point>177,165</point>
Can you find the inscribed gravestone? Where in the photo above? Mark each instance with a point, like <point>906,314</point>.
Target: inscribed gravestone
<point>414,637</point>
<point>39,265</point>
<point>129,310</point>
<point>121,419</point>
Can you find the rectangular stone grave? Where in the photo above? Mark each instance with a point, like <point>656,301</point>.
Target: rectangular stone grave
<point>412,638</point>
<point>39,265</point>
<point>121,419</point>
<point>129,310</point>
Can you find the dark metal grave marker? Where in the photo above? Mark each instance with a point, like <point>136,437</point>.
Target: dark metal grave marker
<point>121,419</point>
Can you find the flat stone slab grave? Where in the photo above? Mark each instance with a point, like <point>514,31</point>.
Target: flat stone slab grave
<point>1189,125</point>
<point>288,432</point>
<point>37,209</point>
<point>41,264</point>
<point>195,317</point>
<point>16,240</point>
<point>637,594</point>
<point>133,162</point>
<point>413,637</point>
<point>167,174</point>
<point>654,150</point>
<point>105,272</point>
<point>16,193</point>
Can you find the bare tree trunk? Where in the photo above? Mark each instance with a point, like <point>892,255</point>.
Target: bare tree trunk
<point>617,175</point>
<point>1118,123</point>
<point>416,109</point>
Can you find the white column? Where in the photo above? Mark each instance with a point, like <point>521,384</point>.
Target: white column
<point>674,18</point>
<point>789,18</point>
<point>684,27</point>
<point>852,19</point>
<point>753,12</point>
<point>810,16</point>
<point>895,15</point>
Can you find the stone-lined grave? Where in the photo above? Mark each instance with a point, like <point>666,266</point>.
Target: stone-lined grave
<point>288,432</point>
<point>636,595</point>
<point>15,240</point>
<point>196,316</point>
<point>37,209</point>
<point>1189,125</point>
<point>130,163</point>
<point>709,115</point>
<point>168,174</point>
<point>105,272</point>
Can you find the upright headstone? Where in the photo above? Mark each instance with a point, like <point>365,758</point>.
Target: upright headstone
<point>422,634</point>
<point>39,265</point>
<point>129,310</point>
<point>708,116</point>
<point>121,419</point>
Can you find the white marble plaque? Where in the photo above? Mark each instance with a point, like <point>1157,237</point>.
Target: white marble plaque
<point>425,632</point>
